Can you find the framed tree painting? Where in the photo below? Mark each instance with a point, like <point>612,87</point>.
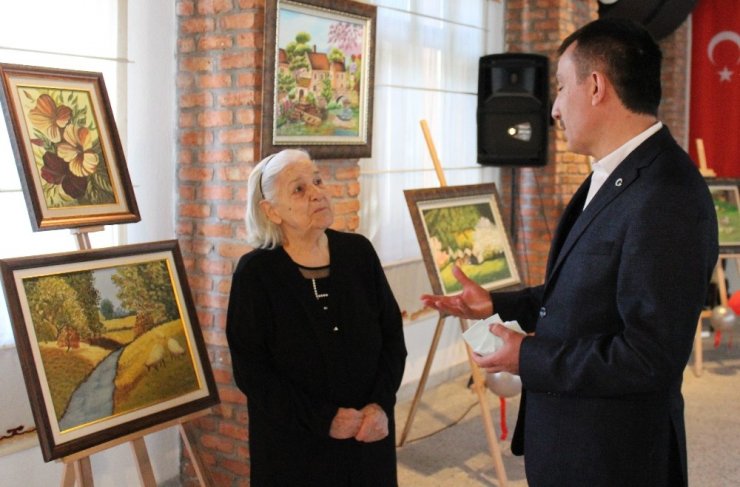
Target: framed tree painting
<point>317,89</point>
<point>108,341</point>
<point>462,225</point>
<point>727,204</point>
<point>67,150</point>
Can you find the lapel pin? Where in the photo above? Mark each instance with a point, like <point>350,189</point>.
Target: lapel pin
<point>618,182</point>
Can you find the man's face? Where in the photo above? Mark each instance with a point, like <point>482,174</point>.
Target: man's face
<point>573,104</point>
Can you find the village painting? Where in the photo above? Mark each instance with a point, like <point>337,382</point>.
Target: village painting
<point>111,340</point>
<point>727,205</point>
<point>320,75</point>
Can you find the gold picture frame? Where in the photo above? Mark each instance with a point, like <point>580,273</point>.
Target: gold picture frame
<point>108,341</point>
<point>67,149</point>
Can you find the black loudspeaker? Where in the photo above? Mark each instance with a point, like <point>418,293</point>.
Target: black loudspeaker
<point>513,109</point>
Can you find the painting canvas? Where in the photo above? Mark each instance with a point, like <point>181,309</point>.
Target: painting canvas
<point>67,149</point>
<point>727,204</point>
<point>319,77</point>
<point>462,225</point>
<point>108,342</point>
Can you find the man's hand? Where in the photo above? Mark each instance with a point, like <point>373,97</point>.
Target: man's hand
<point>506,359</point>
<point>473,302</point>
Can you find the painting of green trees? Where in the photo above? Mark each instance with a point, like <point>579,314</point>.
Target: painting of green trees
<point>466,235</point>
<point>727,205</point>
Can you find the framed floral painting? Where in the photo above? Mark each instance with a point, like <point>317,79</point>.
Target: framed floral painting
<point>726,199</point>
<point>317,89</point>
<point>68,153</point>
<point>108,341</point>
<point>462,225</point>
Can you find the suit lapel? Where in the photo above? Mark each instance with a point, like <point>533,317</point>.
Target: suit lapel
<point>622,177</point>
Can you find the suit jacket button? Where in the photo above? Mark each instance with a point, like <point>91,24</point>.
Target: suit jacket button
<point>543,312</point>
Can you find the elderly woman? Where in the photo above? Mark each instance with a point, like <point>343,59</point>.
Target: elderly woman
<point>315,336</point>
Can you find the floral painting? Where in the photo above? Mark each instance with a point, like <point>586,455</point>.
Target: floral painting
<point>727,205</point>
<point>110,338</point>
<point>462,226</point>
<point>321,65</point>
<point>67,148</point>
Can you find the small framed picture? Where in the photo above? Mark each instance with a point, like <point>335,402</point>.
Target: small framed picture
<point>727,204</point>
<point>318,77</point>
<point>108,341</point>
<point>462,225</point>
<point>67,150</point>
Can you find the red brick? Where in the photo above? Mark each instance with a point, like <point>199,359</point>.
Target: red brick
<point>184,228</point>
<point>346,206</point>
<point>236,136</point>
<point>349,172</point>
<point>196,137</point>
<point>214,156</point>
<point>218,267</point>
<point>215,192</point>
<point>196,25</point>
<point>195,174</point>
<point>196,64</point>
<point>184,9</point>
<point>214,42</point>
<point>234,396</point>
<point>208,300</point>
<point>185,45</point>
<point>249,39</point>
<point>198,99</point>
<point>245,117</point>
<point>186,192</point>
<point>232,249</point>
<point>250,3</point>
<point>210,7</point>
<point>194,210</point>
<point>239,21</point>
<point>246,154</point>
<point>230,212</point>
<point>215,80</point>
<point>224,287</point>
<point>223,376</point>
<point>237,467</point>
<point>185,157</point>
<point>215,118</point>
<point>218,230</point>
<point>241,59</point>
<point>202,247</point>
<point>217,443</point>
<point>200,283</point>
<point>184,81</point>
<point>205,318</point>
<point>187,120</point>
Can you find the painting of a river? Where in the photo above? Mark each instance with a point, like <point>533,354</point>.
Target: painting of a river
<point>106,340</point>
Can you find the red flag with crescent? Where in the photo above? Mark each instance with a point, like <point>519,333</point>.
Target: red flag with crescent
<point>715,85</point>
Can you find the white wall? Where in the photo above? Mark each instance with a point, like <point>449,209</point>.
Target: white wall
<point>148,136</point>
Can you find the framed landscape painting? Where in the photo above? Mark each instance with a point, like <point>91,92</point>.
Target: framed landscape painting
<point>67,150</point>
<point>318,77</point>
<point>727,204</point>
<point>462,225</point>
<point>108,341</point>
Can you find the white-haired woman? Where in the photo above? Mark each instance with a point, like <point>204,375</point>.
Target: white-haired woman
<point>315,336</point>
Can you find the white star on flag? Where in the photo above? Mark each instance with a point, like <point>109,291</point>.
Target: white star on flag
<point>725,75</point>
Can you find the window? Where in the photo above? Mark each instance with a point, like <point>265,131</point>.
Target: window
<point>74,34</point>
<point>427,56</point>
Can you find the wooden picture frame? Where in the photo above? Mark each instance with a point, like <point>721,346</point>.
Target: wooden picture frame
<point>462,225</point>
<point>108,341</point>
<point>726,196</point>
<point>67,149</point>
<point>317,92</point>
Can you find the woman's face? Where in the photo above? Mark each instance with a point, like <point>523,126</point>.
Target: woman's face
<point>301,204</point>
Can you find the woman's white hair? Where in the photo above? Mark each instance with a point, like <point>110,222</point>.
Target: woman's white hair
<point>261,232</point>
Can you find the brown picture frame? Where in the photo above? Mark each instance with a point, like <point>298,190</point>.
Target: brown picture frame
<point>462,225</point>
<point>66,146</point>
<point>311,99</point>
<point>108,341</point>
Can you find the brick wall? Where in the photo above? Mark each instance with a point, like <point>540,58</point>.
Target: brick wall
<point>219,91</point>
<point>219,58</point>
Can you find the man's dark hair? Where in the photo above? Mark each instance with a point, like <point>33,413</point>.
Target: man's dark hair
<point>628,55</point>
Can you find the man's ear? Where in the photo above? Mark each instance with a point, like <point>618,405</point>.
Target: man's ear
<point>598,87</point>
<point>270,212</point>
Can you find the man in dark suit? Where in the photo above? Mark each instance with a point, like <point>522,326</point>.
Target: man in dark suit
<point>611,329</point>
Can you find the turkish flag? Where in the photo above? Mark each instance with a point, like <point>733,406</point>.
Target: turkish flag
<point>715,85</point>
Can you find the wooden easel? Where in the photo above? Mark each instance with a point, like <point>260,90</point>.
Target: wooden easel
<point>479,381</point>
<point>78,470</point>
<point>77,467</point>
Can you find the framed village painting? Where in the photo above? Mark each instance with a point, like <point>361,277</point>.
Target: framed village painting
<point>462,225</point>
<point>67,149</point>
<point>108,341</point>
<point>317,89</point>
<point>726,199</point>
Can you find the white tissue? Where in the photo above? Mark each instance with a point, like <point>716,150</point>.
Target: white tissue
<point>480,338</point>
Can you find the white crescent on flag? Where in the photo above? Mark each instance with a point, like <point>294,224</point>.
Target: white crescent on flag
<point>725,35</point>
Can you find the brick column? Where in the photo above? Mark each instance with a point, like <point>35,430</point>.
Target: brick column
<point>539,195</point>
<point>219,53</point>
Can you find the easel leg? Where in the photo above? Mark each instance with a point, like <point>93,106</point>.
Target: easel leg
<point>83,472</point>
<point>479,385</point>
<point>143,465</point>
<point>422,381</point>
<point>200,470</point>
<point>698,351</point>
<point>68,476</point>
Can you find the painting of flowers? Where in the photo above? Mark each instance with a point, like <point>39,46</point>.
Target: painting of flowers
<point>462,226</point>
<point>320,73</point>
<point>727,205</point>
<point>67,148</point>
<point>111,339</point>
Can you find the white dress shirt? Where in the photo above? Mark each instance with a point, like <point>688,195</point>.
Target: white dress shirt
<point>604,167</point>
